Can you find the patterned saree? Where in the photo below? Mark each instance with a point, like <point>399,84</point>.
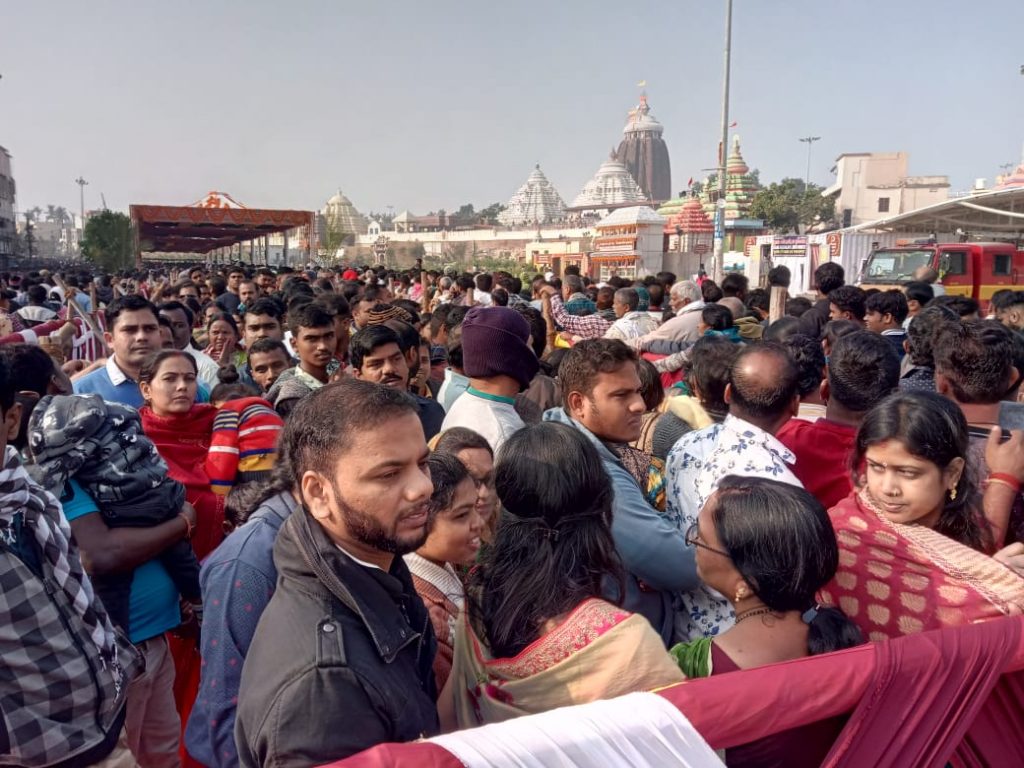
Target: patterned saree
<point>896,579</point>
<point>598,651</point>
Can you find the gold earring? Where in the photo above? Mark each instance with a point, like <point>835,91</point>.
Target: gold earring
<point>740,594</point>
<point>952,494</point>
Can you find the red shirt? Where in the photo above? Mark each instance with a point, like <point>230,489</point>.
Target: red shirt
<point>822,449</point>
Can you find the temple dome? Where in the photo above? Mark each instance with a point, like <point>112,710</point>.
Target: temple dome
<point>611,185</point>
<point>641,120</point>
<point>536,202</point>
<point>342,214</point>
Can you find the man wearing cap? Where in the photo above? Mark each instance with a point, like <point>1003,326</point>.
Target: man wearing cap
<point>500,363</point>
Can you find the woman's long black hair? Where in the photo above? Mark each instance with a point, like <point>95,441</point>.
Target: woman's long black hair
<point>932,428</point>
<point>553,548</point>
<point>781,540</point>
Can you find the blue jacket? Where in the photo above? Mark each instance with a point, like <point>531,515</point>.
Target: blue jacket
<point>237,579</point>
<point>652,549</point>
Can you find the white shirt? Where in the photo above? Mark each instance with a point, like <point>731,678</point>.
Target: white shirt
<point>631,325</point>
<point>482,298</point>
<point>682,327</point>
<point>206,365</point>
<point>695,466</point>
<point>493,417</point>
<point>355,559</point>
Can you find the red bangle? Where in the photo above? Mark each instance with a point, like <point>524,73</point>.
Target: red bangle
<point>1003,477</point>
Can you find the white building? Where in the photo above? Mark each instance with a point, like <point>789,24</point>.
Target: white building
<point>8,226</point>
<point>874,185</point>
<point>630,242</point>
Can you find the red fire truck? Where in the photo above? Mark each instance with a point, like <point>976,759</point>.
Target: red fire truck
<point>965,269</point>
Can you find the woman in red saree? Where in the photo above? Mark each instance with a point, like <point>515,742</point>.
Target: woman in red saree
<point>182,430</point>
<point>914,537</point>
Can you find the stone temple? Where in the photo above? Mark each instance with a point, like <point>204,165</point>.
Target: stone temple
<point>611,187</point>
<point>536,202</point>
<point>644,153</point>
<point>343,215</point>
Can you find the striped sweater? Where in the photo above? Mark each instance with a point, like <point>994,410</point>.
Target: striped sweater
<point>244,443</point>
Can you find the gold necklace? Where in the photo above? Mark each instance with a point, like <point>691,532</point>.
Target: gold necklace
<point>752,612</point>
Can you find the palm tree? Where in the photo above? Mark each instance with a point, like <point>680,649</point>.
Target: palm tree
<point>33,214</point>
<point>62,215</point>
<point>51,213</point>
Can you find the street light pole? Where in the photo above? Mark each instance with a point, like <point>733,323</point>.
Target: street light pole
<point>723,152</point>
<point>81,198</point>
<point>809,140</point>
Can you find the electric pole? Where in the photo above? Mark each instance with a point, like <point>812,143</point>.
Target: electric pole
<point>809,140</point>
<point>81,198</point>
<point>723,152</point>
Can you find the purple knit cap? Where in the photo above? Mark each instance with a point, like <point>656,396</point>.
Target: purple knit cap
<point>495,342</point>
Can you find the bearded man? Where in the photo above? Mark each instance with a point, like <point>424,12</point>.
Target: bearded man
<point>342,656</point>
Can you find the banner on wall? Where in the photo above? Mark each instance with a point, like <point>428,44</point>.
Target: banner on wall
<point>789,245</point>
<point>834,240</point>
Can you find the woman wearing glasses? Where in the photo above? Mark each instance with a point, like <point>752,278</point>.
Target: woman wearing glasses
<point>768,547</point>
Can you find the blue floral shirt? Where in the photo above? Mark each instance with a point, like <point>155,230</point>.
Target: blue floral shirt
<point>695,465</point>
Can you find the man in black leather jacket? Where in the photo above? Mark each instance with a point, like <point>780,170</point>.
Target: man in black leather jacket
<point>342,656</point>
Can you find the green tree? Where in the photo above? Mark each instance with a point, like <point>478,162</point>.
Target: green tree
<point>332,237</point>
<point>787,205</point>
<point>489,215</point>
<point>466,211</point>
<point>108,241</point>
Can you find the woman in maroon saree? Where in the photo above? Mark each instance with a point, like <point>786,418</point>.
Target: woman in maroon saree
<point>182,430</point>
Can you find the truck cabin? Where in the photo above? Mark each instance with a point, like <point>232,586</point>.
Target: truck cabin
<point>976,270</point>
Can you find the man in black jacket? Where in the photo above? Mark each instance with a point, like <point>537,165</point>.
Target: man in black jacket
<point>342,656</point>
<point>827,278</point>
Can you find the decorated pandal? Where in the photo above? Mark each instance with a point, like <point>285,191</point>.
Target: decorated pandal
<point>216,222</point>
<point>535,202</point>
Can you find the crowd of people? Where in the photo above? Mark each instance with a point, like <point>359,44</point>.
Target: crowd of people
<point>270,517</point>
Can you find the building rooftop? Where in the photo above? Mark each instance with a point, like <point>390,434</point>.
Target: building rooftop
<point>637,214</point>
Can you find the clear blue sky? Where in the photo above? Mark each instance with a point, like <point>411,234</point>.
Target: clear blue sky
<point>427,105</point>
